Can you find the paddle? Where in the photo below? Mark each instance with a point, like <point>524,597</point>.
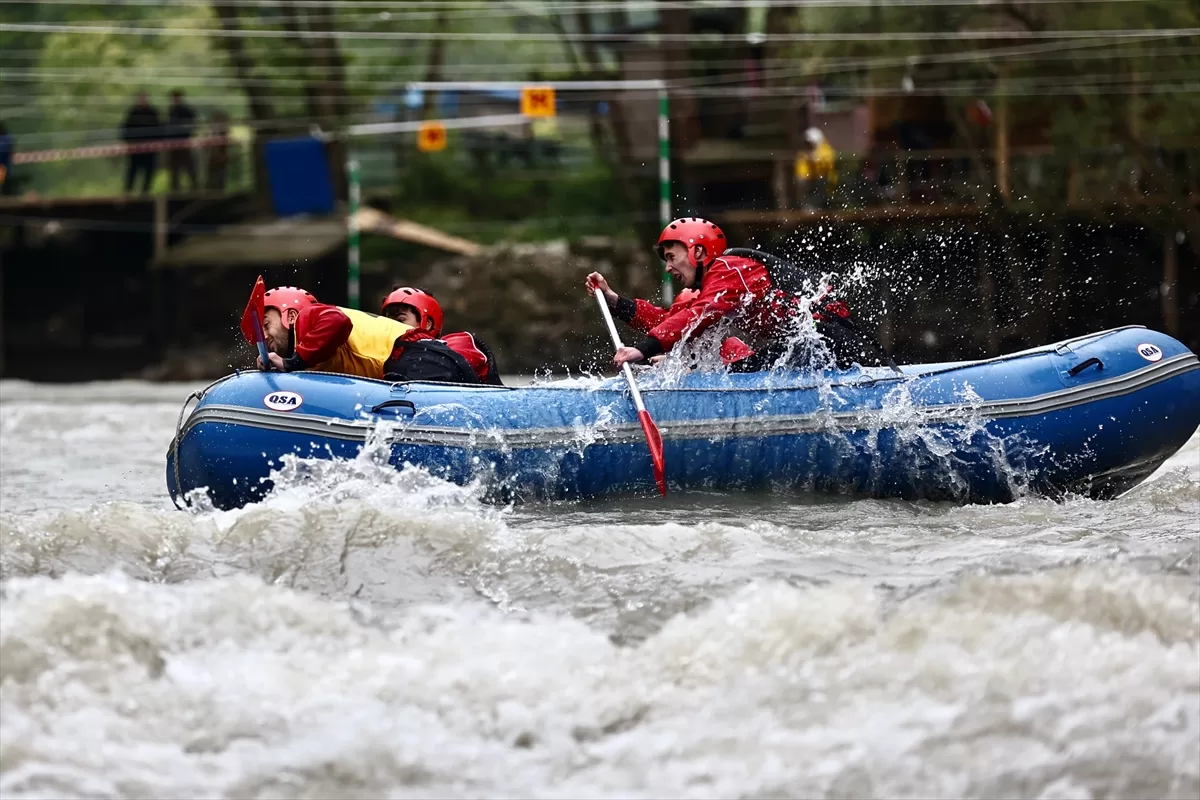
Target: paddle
<point>653,437</point>
<point>252,317</point>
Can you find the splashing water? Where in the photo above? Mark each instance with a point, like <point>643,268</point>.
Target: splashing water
<point>372,632</point>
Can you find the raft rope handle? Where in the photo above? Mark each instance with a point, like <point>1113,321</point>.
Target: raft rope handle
<point>1081,366</point>
<point>196,395</point>
<point>409,404</point>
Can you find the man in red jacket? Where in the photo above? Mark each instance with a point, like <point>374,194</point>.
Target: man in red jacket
<point>718,283</point>
<point>715,286</point>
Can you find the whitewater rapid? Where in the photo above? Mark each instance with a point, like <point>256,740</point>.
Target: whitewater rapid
<point>365,633</point>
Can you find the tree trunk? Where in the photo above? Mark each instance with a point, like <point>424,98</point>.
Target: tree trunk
<point>592,71</point>
<point>646,227</point>
<point>987,296</point>
<point>1170,286</point>
<point>778,19</point>
<point>1179,212</point>
<point>433,68</point>
<point>677,23</point>
<point>332,99</point>
<point>1057,302</point>
<point>262,111</point>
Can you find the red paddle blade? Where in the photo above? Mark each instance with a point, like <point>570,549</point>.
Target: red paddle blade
<point>654,439</point>
<point>256,303</point>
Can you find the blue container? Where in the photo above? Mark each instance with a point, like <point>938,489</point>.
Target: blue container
<point>298,171</point>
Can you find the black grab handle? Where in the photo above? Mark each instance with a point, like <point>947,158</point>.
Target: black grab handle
<point>1082,365</point>
<point>394,404</point>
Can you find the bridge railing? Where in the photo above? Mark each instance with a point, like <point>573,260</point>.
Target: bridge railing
<point>1032,176</point>
<point>222,164</point>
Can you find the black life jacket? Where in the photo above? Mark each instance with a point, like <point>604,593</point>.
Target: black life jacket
<point>428,360</point>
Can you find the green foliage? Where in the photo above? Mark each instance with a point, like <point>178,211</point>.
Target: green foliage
<point>77,87</point>
<point>1098,102</point>
<point>1082,93</point>
<point>451,193</point>
<point>72,89</point>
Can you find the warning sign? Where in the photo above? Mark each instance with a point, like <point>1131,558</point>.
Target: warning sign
<point>431,137</point>
<point>537,101</point>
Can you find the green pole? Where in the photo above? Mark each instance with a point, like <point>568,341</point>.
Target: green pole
<point>664,181</point>
<point>352,272</point>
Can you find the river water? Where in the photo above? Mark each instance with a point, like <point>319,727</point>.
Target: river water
<point>364,633</point>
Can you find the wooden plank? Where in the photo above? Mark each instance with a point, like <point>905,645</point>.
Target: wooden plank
<point>372,220</point>
<point>263,244</point>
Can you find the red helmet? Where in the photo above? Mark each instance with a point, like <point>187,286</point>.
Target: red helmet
<point>428,310</point>
<point>284,298</point>
<point>693,231</point>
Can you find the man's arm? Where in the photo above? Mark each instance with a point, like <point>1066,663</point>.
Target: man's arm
<point>726,289</point>
<point>320,331</point>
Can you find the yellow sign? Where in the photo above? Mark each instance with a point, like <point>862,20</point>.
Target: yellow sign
<point>431,137</point>
<point>537,101</point>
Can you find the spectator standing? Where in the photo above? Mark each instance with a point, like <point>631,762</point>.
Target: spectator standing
<point>142,125</point>
<point>181,124</point>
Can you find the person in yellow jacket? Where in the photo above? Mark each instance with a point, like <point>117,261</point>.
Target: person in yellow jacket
<point>301,333</point>
<point>816,169</point>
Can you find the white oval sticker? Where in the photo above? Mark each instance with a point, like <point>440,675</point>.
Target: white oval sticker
<point>283,401</point>
<point>1150,352</point>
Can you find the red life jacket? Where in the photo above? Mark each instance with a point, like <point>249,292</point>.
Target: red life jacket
<point>465,345</point>
<point>731,285</point>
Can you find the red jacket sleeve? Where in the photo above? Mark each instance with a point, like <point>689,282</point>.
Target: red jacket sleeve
<point>320,330</point>
<point>731,284</point>
<point>648,315</point>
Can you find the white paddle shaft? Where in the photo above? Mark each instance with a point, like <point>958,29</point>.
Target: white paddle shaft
<point>616,338</point>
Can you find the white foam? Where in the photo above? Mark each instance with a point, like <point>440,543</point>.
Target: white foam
<point>235,688</point>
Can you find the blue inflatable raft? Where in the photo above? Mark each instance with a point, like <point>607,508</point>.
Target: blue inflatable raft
<point>1093,416</point>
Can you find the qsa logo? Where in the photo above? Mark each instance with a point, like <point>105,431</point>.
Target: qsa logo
<point>283,401</point>
<point>1150,352</point>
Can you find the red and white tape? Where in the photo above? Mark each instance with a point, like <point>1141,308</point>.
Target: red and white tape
<point>108,150</point>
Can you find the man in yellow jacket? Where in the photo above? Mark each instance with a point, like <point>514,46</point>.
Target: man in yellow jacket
<point>301,333</point>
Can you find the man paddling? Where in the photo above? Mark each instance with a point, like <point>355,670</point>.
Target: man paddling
<point>720,283</point>
<point>715,286</point>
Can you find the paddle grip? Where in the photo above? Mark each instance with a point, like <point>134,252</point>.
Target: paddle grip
<point>261,340</point>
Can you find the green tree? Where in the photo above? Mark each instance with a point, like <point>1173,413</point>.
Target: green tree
<point>1118,108</point>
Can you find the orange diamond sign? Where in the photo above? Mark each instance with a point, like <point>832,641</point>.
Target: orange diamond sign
<point>537,101</point>
<point>431,137</point>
